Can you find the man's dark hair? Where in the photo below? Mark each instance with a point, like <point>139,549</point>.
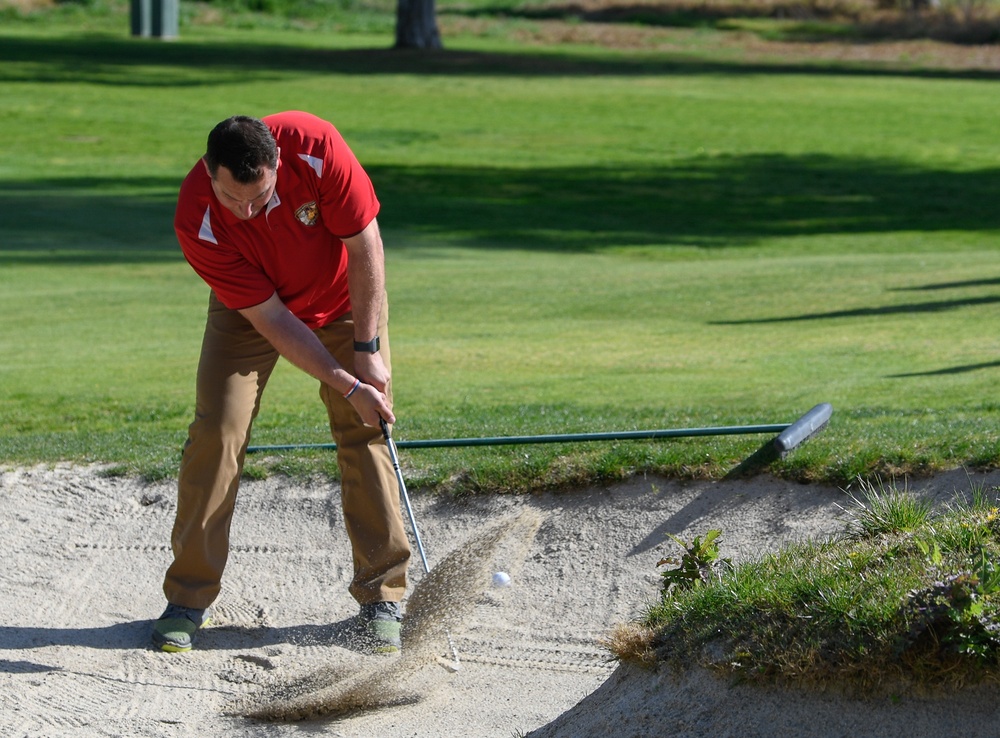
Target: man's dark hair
<point>243,145</point>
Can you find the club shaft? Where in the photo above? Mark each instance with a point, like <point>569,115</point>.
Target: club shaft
<point>405,495</point>
<point>391,445</point>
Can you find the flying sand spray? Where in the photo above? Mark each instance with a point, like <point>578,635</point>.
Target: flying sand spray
<point>439,605</point>
<point>454,664</point>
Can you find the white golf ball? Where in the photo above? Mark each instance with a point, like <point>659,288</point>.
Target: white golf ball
<point>501,579</point>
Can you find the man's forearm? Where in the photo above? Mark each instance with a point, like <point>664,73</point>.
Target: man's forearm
<point>293,340</point>
<point>366,280</point>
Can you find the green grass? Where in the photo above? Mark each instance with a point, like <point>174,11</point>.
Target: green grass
<point>578,239</point>
<point>906,596</point>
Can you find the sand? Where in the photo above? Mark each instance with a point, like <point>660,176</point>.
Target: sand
<point>84,554</point>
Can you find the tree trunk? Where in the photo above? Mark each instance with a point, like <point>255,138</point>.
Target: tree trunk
<point>416,25</point>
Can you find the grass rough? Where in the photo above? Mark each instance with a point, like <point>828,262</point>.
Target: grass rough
<point>906,596</point>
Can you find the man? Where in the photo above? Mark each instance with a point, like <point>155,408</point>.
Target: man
<point>278,218</point>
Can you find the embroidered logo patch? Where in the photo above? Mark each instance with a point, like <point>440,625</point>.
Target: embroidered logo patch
<point>308,214</point>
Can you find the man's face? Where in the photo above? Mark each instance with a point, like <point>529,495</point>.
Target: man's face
<point>245,201</point>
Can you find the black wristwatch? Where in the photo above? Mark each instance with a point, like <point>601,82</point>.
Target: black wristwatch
<point>370,347</point>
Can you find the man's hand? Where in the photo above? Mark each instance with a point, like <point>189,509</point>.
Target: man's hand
<point>371,369</point>
<point>371,404</point>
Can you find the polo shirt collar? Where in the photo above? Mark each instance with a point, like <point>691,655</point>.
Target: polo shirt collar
<point>287,181</point>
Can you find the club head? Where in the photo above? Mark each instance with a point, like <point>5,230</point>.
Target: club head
<point>448,665</point>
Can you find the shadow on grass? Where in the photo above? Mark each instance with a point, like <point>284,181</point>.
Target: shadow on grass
<point>706,203</point>
<point>123,61</point>
<point>950,285</point>
<point>907,308</point>
<point>949,370</point>
<point>88,221</point>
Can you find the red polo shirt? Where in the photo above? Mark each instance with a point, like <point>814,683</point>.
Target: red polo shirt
<point>293,246</point>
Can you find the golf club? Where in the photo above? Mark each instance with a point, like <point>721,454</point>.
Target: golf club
<point>454,665</point>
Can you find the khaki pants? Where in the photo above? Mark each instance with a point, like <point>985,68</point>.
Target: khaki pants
<point>235,364</point>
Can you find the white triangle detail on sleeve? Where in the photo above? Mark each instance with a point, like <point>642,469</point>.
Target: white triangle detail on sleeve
<point>205,232</point>
<point>314,162</point>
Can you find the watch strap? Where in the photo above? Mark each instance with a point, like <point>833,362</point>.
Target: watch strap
<point>370,347</point>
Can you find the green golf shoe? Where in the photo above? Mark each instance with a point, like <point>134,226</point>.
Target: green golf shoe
<point>380,625</point>
<point>174,630</point>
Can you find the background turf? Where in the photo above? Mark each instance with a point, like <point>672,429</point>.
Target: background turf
<point>578,240</point>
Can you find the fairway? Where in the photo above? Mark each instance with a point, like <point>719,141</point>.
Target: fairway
<point>578,240</point>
